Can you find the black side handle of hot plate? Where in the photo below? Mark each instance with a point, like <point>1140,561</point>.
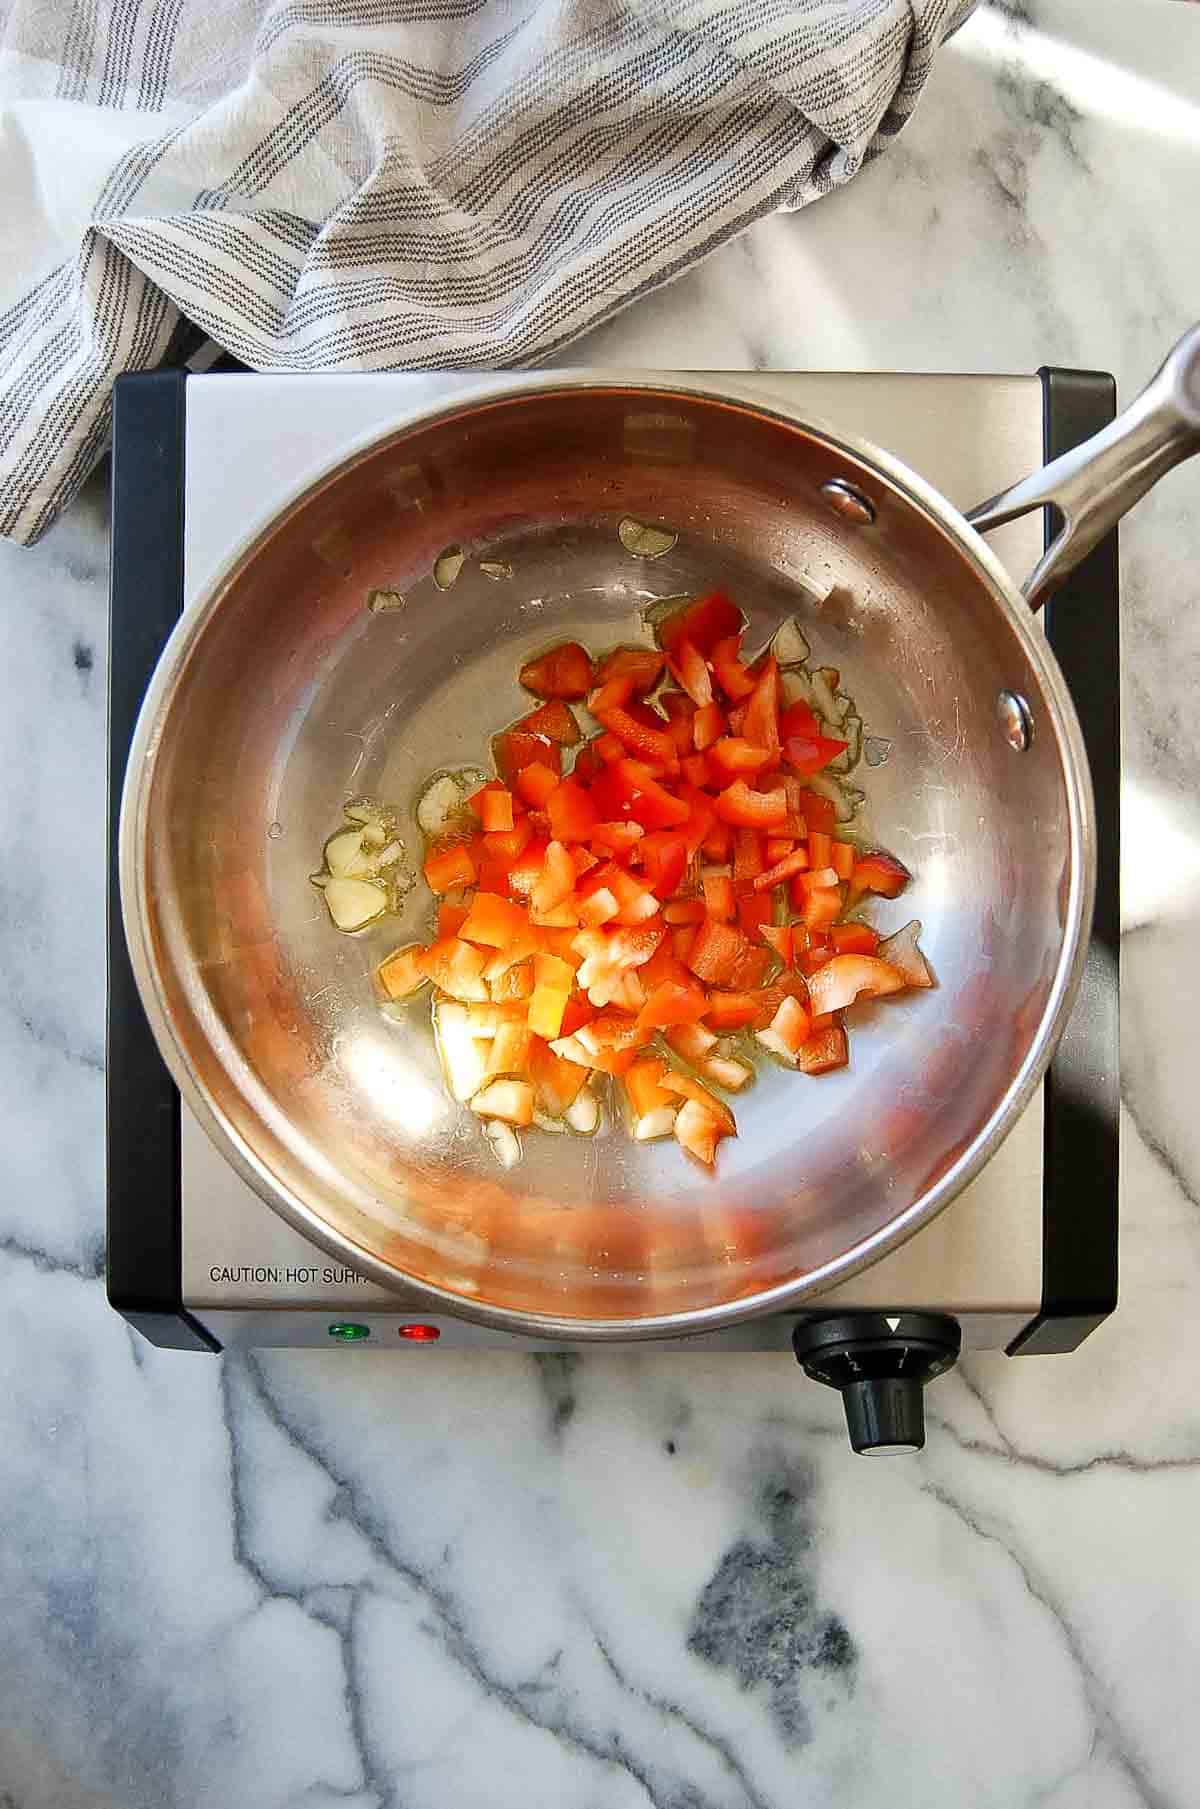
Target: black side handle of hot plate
<point>879,1363</point>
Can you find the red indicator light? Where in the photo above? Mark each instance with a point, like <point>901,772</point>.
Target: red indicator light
<point>420,1334</point>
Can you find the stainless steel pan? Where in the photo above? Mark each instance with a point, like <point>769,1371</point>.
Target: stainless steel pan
<point>280,695</point>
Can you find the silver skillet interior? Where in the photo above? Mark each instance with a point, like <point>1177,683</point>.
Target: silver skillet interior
<point>280,696</point>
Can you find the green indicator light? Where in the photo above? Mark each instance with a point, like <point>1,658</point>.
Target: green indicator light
<point>348,1331</point>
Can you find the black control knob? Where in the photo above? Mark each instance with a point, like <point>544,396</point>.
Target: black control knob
<point>879,1363</point>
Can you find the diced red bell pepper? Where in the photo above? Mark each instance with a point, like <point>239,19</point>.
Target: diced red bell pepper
<point>563,671</point>
<point>746,809</point>
<point>680,712</point>
<point>643,1089</point>
<point>560,942</point>
<point>647,743</point>
<point>640,664</point>
<point>753,911</point>
<point>730,673</point>
<point>637,904</point>
<point>450,919</point>
<point>684,910</point>
<point>719,840</point>
<point>514,984</point>
<point>525,871</point>
<point>789,1029</point>
<point>842,856</point>
<point>552,971</point>
<point>516,748</point>
<point>475,802</point>
<point>494,921</point>
<point>692,1041</point>
<point>598,908</point>
<point>698,1132</point>
<point>495,810</point>
<point>663,856</point>
<point>798,720</point>
<point>775,847</point>
<point>854,939</point>
<point>688,667</point>
<point>694,768</point>
<point>719,900</point>
<point>664,964</point>
<point>587,764</point>
<point>701,817</point>
<point>879,873</point>
<point>448,867</point>
<point>732,1010</point>
<point>556,1081</point>
<point>709,619</point>
<point>555,722</point>
<point>493,875</point>
<point>708,725</point>
<point>614,1061</point>
<point>504,845</point>
<point>571,811</point>
<point>683,937</point>
<point>747,858</point>
<point>688,1088</point>
<point>670,1003</point>
<point>616,838</point>
<point>555,882</point>
<point>546,1008</point>
<point>818,812</point>
<point>629,788</point>
<point>827,1049</point>
<point>579,1012</point>
<point>456,967</point>
<point>792,863</point>
<point>761,722</point>
<point>778,938</point>
<point>584,860</point>
<point>820,848</point>
<point>401,974</point>
<point>716,951</point>
<point>785,985</point>
<point>733,757</point>
<point>750,968</point>
<point>807,755</point>
<point>533,784</point>
<point>609,747</point>
<point>822,907</point>
<point>600,877</point>
<point>613,1029</point>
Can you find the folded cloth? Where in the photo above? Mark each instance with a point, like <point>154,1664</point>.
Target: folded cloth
<point>328,185</point>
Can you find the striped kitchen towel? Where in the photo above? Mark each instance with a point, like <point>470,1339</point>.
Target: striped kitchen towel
<point>392,184</point>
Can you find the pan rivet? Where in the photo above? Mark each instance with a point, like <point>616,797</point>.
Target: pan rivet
<point>848,502</point>
<point>1015,720</point>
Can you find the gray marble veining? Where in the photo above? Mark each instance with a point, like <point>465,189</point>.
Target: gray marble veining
<point>626,1580</point>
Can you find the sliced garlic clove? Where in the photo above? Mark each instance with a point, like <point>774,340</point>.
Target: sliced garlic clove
<point>643,539</point>
<point>345,856</point>
<point>354,903</point>
<point>789,645</point>
<point>380,601</point>
<point>447,566</point>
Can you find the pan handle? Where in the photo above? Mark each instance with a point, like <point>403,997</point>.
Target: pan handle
<point>1093,485</point>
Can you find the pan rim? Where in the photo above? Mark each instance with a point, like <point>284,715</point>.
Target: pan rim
<point>495,391</point>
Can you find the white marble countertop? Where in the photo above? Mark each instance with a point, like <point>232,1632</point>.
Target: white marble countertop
<point>639,1580</point>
